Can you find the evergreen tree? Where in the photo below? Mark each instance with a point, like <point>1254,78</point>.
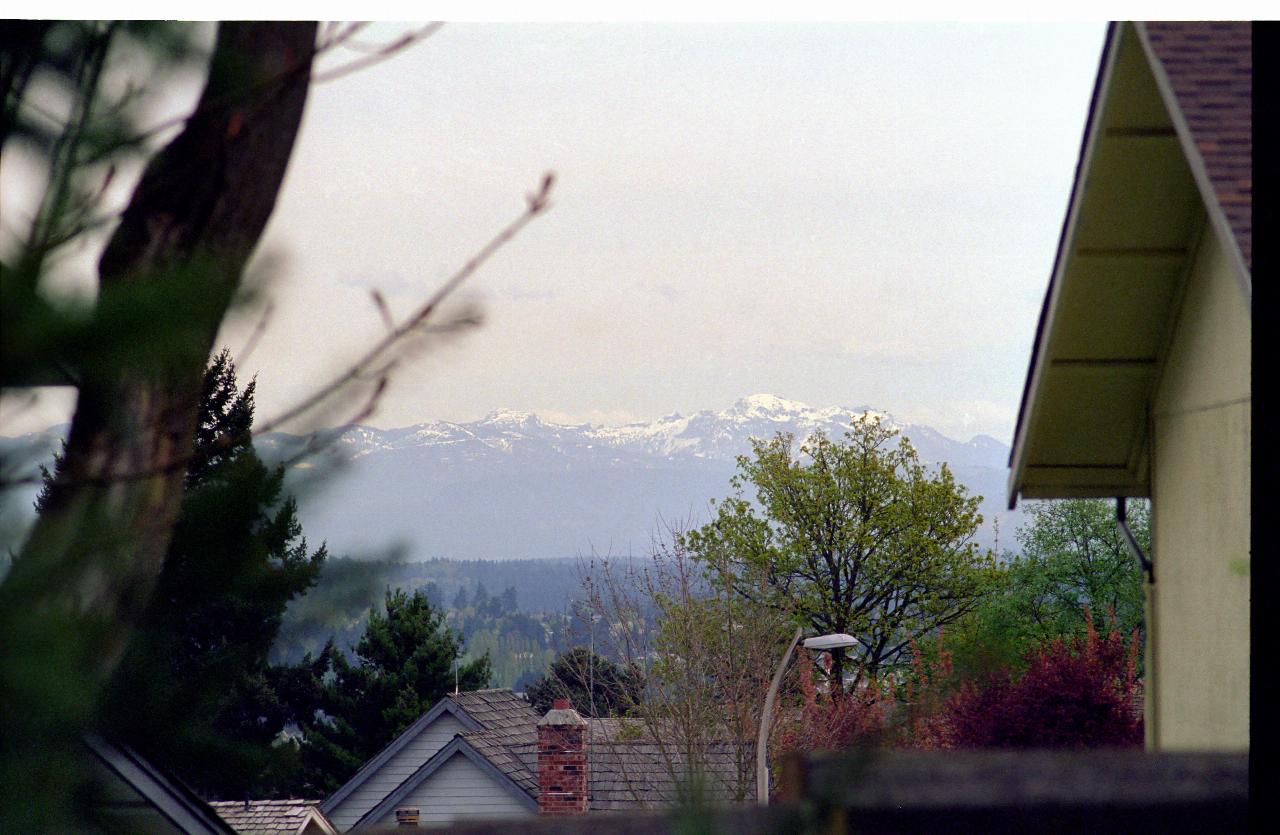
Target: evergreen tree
<point>403,664</point>
<point>194,691</point>
<point>480,600</point>
<point>593,684</point>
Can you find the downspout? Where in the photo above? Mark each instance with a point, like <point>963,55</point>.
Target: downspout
<point>1122,525</point>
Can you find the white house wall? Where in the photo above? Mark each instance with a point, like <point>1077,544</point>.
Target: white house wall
<point>460,789</point>
<point>1200,527</point>
<point>393,772</point>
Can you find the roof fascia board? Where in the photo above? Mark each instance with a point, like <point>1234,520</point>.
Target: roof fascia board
<point>1196,162</point>
<point>367,770</point>
<point>457,745</point>
<point>167,796</point>
<point>1040,350</point>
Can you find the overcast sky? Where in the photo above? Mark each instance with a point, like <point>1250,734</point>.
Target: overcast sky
<point>833,213</point>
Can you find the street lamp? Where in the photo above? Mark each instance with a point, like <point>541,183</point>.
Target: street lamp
<point>822,643</point>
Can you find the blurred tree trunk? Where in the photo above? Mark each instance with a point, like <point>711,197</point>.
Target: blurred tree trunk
<point>190,229</point>
<point>184,240</point>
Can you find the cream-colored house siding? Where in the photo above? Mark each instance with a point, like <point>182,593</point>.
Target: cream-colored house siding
<point>395,771</point>
<point>460,790</point>
<point>1198,609</point>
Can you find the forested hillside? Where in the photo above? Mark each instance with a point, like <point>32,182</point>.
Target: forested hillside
<point>520,611</point>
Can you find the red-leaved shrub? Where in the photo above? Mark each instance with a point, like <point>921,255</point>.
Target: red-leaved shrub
<point>1076,694</point>
<point>926,694</point>
<point>823,723</point>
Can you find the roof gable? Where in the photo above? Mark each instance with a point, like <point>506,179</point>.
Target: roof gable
<point>269,817</point>
<point>495,709</point>
<point>445,705</point>
<point>460,745</point>
<point>1142,216</point>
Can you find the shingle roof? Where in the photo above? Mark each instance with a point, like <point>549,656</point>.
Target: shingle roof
<point>511,751</point>
<point>630,767</point>
<point>496,709</point>
<point>265,817</point>
<point>1209,65</point>
<point>627,768</point>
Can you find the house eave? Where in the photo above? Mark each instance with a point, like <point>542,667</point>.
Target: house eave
<point>1134,224</point>
<point>1017,455</point>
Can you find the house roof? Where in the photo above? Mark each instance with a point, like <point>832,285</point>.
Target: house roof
<point>142,797</point>
<point>627,769</point>
<point>1208,66</point>
<point>1163,164</point>
<point>513,751</point>
<point>449,705</point>
<point>631,767</point>
<point>273,817</point>
<point>459,745</point>
<point>496,709</point>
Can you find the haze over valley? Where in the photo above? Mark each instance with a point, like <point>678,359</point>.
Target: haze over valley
<point>514,486</point>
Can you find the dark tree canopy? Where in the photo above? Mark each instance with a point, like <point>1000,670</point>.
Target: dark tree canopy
<point>404,664</point>
<point>194,691</point>
<point>593,684</point>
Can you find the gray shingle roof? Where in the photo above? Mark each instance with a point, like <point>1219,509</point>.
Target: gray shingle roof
<point>265,817</point>
<point>627,769</point>
<point>509,751</point>
<point>498,709</point>
<point>631,768</point>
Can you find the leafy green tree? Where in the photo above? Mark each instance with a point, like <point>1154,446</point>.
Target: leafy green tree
<point>593,684</point>
<point>854,537</point>
<point>194,691</point>
<point>1073,557</point>
<point>403,664</point>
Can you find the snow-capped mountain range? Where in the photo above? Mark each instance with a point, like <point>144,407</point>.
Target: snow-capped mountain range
<point>512,485</point>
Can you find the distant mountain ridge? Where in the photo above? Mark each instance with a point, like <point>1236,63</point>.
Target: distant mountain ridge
<point>512,485</point>
<point>705,434</point>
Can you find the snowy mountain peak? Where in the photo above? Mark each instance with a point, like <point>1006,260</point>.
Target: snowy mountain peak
<point>769,407</point>
<point>511,416</point>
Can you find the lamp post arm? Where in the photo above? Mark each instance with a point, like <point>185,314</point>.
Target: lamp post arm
<point>762,759</point>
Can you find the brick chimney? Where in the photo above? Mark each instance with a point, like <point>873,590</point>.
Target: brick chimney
<point>563,737</point>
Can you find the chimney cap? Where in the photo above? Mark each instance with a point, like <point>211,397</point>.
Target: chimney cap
<point>562,715</point>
